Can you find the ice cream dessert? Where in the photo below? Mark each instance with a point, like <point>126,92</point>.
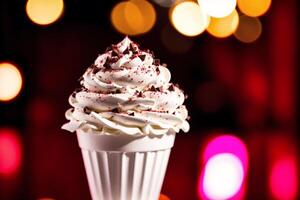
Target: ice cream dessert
<point>126,115</point>
<point>127,91</point>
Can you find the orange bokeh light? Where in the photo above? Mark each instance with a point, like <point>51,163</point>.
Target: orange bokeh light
<point>163,197</point>
<point>44,12</point>
<point>10,81</point>
<point>254,8</point>
<point>249,29</point>
<point>223,27</point>
<point>133,17</point>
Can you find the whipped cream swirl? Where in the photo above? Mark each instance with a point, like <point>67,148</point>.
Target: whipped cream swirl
<point>127,91</point>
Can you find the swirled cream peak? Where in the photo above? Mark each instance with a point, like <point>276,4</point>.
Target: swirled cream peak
<point>127,91</point>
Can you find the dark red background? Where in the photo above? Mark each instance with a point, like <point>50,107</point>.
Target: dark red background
<point>248,90</point>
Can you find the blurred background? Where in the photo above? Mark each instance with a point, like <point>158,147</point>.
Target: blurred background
<point>236,61</point>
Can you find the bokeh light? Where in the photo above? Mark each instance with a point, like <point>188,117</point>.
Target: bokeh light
<point>225,161</point>
<point>249,29</point>
<point>189,19</point>
<point>223,176</point>
<point>133,17</point>
<point>163,197</point>
<point>254,8</point>
<point>10,81</point>
<point>283,179</point>
<point>44,12</point>
<point>10,151</point>
<point>227,144</point>
<point>174,42</point>
<point>218,8</point>
<point>223,27</point>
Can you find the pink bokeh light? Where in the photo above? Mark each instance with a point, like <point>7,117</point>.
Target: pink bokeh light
<point>10,151</point>
<point>283,179</point>
<point>218,146</point>
<point>227,144</point>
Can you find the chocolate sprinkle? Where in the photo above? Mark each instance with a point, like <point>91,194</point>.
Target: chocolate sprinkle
<point>115,110</point>
<point>131,114</point>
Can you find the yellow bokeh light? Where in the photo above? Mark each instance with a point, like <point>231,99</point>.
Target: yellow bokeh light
<point>133,17</point>
<point>254,8</point>
<point>223,27</point>
<point>10,81</point>
<point>189,19</point>
<point>44,12</point>
<point>249,29</point>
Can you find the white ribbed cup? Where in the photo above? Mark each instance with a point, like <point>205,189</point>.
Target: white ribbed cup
<point>125,168</point>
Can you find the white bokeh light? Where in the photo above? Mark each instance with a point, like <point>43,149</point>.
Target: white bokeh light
<point>218,8</point>
<point>189,19</point>
<point>223,176</point>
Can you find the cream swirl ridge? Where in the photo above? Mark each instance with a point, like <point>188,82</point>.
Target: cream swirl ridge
<point>127,91</point>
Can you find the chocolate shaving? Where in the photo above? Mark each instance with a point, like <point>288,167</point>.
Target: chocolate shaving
<point>152,88</point>
<point>131,114</point>
<point>87,110</point>
<point>115,110</point>
<point>157,70</point>
<point>171,88</point>
<point>142,57</point>
<point>126,51</point>
<point>107,64</point>
<point>132,48</point>
<point>140,94</point>
<point>96,70</point>
<point>114,53</point>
